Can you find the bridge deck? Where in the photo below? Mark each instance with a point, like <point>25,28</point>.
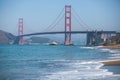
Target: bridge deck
<point>72,32</point>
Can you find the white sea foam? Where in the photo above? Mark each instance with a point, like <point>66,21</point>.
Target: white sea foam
<point>88,47</point>
<point>79,71</point>
<point>105,50</point>
<point>110,50</point>
<point>114,56</point>
<point>115,51</point>
<point>78,75</point>
<point>95,47</point>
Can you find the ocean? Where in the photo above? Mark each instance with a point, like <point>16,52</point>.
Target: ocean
<point>45,62</point>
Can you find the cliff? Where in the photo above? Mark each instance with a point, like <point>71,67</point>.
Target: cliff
<point>6,38</point>
<point>113,42</point>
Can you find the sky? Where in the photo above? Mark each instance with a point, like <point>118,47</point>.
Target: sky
<point>39,14</point>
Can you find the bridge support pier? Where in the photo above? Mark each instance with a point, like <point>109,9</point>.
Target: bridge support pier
<point>90,39</point>
<point>17,40</point>
<point>94,38</point>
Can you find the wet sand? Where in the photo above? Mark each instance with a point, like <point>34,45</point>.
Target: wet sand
<point>111,63</point>
<point>113,46</point>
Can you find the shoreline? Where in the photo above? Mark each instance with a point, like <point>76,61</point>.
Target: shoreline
<point>111,63</point>
<point>117,46</point>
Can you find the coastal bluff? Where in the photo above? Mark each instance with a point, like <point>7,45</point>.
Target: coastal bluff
<point>6,37</point>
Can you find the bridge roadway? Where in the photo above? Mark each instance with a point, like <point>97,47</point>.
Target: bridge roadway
<point>72,32</point>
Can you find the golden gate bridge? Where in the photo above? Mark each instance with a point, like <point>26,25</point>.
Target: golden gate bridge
<point>92,36</point>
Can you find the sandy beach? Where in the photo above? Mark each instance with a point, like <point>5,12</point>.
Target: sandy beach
<point>113,46</point>
<point>111,63</point>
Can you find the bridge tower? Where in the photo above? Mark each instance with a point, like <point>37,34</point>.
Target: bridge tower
<point>20,30</point>
<point>68,25</point>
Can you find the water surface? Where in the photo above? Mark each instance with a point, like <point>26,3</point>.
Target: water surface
<point>44,62</point>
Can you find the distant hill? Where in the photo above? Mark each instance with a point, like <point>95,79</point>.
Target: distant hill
<point>38,40</point>
<point>6,37</point>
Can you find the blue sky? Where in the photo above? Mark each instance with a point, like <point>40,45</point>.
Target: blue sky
<point>39,14</point>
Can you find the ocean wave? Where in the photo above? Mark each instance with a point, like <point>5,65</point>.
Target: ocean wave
<point>88,47</point>
<point>79,71</point>
<point>63,70</point>
<point>110,50</point>
<point>95,47</point>
<point>78,75</point>
<point>114,56</point>
<point>105,50</point>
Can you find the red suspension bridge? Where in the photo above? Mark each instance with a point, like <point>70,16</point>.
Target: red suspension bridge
<point>92,36</point>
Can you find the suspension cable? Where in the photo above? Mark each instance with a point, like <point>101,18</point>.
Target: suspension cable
<point>79,21</point>
<point>85,25</point>
<point>54,22</point>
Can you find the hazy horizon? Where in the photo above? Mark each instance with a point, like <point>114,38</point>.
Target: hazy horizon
<point>39,14</point>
